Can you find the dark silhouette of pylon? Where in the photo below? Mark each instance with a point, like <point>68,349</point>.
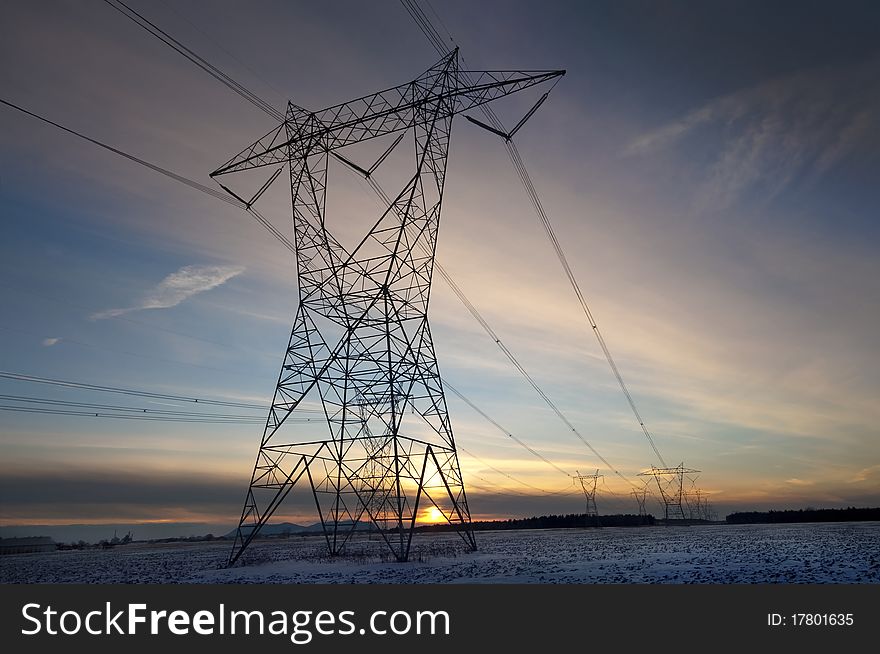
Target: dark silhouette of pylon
<point>361,345</point>
<point>588,484</point>
<point>641,495</point>
<point>670,482</point>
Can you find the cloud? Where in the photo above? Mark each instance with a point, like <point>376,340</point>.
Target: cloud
<point>49,342</point>
<point>870,474</point>
<point>794,481</point>
<point>177,287</point>
<point>665,135</point>
<point>768,135</point>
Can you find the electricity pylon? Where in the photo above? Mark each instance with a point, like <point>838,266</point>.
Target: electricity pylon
<point>670,482</point>
<point>361,346</point>
<point>588,484</point>
<point>698,504</point>
<point>641,495</point>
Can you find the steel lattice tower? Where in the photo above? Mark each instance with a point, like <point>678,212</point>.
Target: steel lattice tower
<point>698,504</point>
<point>361,344</point>
<point>588,484</point>
<point>670,482</point>
<point>641,495</point>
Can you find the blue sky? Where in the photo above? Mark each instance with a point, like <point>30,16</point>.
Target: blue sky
<point>710,169</point>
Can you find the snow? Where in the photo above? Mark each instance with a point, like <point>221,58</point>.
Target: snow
<point>791,553</point>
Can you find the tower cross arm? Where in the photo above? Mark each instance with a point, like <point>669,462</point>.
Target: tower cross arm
<point>385,112</point>
<point>488,85</point>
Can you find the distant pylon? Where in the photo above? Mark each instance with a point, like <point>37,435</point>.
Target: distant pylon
<point>641,495</point>
<point>588,484</point>
<point>361,346</point>
<point>698,504</point>
<point>670,482</point>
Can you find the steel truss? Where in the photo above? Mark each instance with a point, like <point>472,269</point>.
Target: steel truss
<point>588,484</point>
<point>641,495</point>
<point>670,482</point>
<point>361,344</point>
<point>697,502</point>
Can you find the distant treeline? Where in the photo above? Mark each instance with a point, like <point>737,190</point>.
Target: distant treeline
<point>569,520</point>
<point>804,515</point>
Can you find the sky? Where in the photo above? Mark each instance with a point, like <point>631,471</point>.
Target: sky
<point>709,168</point>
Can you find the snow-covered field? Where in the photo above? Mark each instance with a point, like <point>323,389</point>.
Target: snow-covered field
<point>799,553</point>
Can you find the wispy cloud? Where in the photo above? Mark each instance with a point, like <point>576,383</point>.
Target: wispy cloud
<point>772,133</point>
<point>177,287</point>
<point>870,474</point>
<point>667,134</point>
<point>49,342</point>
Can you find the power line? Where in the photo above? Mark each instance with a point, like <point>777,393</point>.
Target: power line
<point>504,431</point>
<point>92,410</point>
<point>224,79</point>
<point>217,43</point>
<point>126,391</point>
<point>212,70</point>
<point>164,171</point>
<point>424,24</point>
<point>27,399</point>
<point>98,414</point>
<point>433,36</point>
<point>545,221</point>
<point>513,360</point>
<point>505,474</point>
<point>486,491</point>
<point>167,415</point>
